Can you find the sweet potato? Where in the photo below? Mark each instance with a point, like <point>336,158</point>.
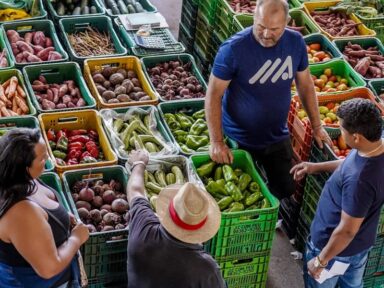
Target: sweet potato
<point>28,37</point>
<point>30,57</point>
<point>376,57</point>
<point>43,54</point>
<point>48,42</point>
<point>54,55</point>
<point>13,36</point>
<point>362,66</point>
<point>375,71</point>
<point>40,87</point>
<point>22,46</point>
<point>39,38</point>
<point>15,50</point>
<point>47,105</point>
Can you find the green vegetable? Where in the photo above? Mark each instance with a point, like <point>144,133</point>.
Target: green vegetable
<point>160,178</point>
<point>85,10</point>
<point>254,187</point>
<point>199,114</point>
<point>152,200</point>
<point>52,144</point>
<point>234,191</point>
<point>62,143</point>
<point>236,207</point>
<point>178,174</point>
<point>151,147</point>
<point>137,140</point>
<point>122,7</point>
<point>216,189</point>
<point>228,173</point>
<point>225,202</point>
<point>131,9</point>
<point>244,180</point>
<point>153,187</point>
<point>206,169</point>
<point>180,135</point>
<point>88,159</point>
<point>253,198</point>
<point>118,124</point>
<point>139,8</point>
<point>184,121</point>
<point>170,178</point>
<point>198,127</point>
<point>126,133</point>
<point>171,121</point>
<point>265,204</point>
<point>59,154</point>
<point>150,138</point>
<point>185,149</point>
<point>238,172</point>
<point>151,178</point>
<point>203,148</point>
<point>194,142</point>
<point>93,10</point>
<point>218,173</point>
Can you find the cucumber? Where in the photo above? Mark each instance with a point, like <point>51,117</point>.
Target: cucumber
<point>60,9</point>
<point>84,3</point>
<point>113,6</point>
<point>132,2</point>
<point>93,10</point>
<point>71,7</point>
<point>77,11</point>
<point>85,10</point>
<point>126,2</point>
<point>139,8</point>
<point>131,9</point>
<point>122,7</point>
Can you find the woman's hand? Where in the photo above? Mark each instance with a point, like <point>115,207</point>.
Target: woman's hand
<point>81,232</point>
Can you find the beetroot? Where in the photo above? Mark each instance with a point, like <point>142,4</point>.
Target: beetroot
<point>107,228</point>
<point>119,226</point>
<point>109,196</point>
<point>86,194</point>
<point>83,204</point>
<point>120,206</point>
<point>91,228</point>
<point>110,218</point>
<point>121,196</point>
<point>106,207</point>
<point>103,212</point>
<point>95,216</point>
<point>75,197</point>
<point>83,213</point>
<point>97,201</point>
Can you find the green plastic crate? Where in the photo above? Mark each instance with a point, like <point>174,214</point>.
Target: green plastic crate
<point>374,281</point>
<point>160,127</point>
<point>241,22</point>
<point>374,256</point>
<point>147,6</point>
<point>151,61</point>
<point>104,253</point>
<point>42,13</point>
<point>295,4</point>
<point>172,46</point>
<point>246,273</point>
<point>342,68</point>
<point>244,234</point>
<point>189,16</point>
<point>223,26</point>
<point>302,19</point>
<point>27,122</point>
<point>376,24</point>
<point>208,8</point>
<point>8,53</point>
<point>326,45</point>
<point>5,75</point>
<point>58,73</point>
<point>52,180</point>
<point>363,42</point>
<point>45,26</point>
<point>56,17</point>
<point>190,106</point>
<point>102,23</point>
<point>377,86</point>
<point>186,38</point>
<point>226,13</point>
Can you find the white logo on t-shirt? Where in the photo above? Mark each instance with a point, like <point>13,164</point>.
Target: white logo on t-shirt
<point>265,72</point>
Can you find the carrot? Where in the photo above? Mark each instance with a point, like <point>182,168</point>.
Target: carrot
<point>14,105</point>
<point>4,99</point>
<point>20,91</point>
<point>20,102</point>
<point>12,86</point>
<point>19,111</point>
<point>4,111</point>
<point>12,113</point>
<point>6,83</point>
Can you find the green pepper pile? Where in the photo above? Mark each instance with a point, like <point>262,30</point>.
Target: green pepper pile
<point>137,130</point>
<point>190,131</point>
<point>156,181</point>
<point>233,189</point>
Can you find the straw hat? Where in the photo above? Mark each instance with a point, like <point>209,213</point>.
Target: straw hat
<point>188,213</point>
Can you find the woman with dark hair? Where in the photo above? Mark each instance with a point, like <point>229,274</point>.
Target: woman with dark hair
<point>37,246</point>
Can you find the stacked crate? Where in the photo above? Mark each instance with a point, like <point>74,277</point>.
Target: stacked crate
<point>187,27</point>
<point>242,246</point>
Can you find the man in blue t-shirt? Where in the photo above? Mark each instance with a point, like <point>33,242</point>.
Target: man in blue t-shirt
<point>254,71</point>
<point>348,212</point>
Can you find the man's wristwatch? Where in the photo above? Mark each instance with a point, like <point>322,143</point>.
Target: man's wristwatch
<point>137,163</point>
<point>318,263</point>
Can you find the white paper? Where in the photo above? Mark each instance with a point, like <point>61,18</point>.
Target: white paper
<point>338,268</point>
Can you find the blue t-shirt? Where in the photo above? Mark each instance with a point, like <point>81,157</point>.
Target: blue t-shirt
<point>256,103</point>
<point>357,188</point>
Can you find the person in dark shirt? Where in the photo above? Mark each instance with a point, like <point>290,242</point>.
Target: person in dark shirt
<point>164,250</point>
<point>347,215</point>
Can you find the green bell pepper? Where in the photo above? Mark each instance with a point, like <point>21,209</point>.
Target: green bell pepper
<point>184,121</point>
<point>206,169</point>
<point>199,114</point>
<point>234,191</point>
<point>198,127</point>
<point>194,142</point>
<point>253,198</point>
<point>180,135</point>
<point>59,154</point>
<point>172,122</point>
<point>225,202</point>
<point>214,188</point>
<point>236,207</point>
<point>229,175</point>
<point>254,187</point>
<point>265,204</point>
<point>184,148</point>
<point>218,173</point>
<point>203,148</point>
<point>244,180</point>
<point>62,143</point>
<point>238,172</point>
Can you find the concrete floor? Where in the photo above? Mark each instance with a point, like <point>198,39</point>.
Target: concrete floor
<point>284,271</point>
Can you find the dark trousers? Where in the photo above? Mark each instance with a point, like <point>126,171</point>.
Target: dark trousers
<point>276,161</point>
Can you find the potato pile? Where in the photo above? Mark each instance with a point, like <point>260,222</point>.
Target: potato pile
<point>101,205</point>
<point>116,85</point>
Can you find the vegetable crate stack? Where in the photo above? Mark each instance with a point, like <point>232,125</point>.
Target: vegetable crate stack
<point>97,196</point>
<point>377,87</point>
<point>73,8</point>
<point>115,8</point>
<point>188,23</point>
<point>243,243</point>
<point>12,11</point>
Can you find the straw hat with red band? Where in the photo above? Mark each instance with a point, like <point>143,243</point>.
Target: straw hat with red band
<point>188,213</point>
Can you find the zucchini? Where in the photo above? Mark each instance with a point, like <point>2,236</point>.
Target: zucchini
<point>84,3</point>
<point>85,10</point>
<point>77,11</point>
<point>131,9</point>
<point>122,7</point>
<point>126,2</point>
<point>93,10</point>
<point>139,8</point>
<point>132,2</point>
